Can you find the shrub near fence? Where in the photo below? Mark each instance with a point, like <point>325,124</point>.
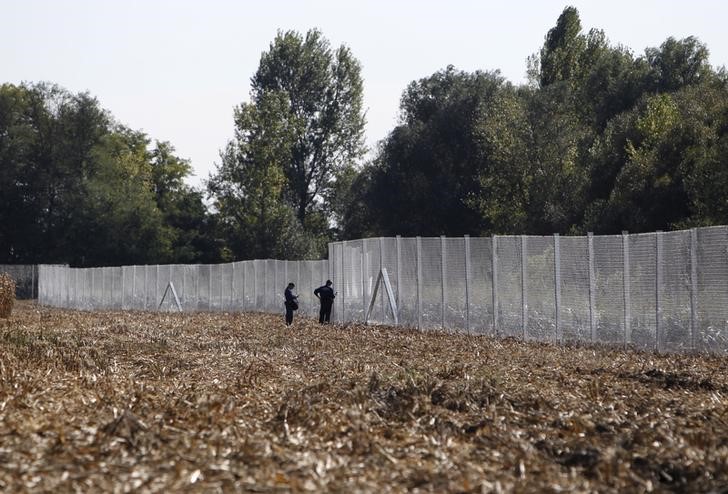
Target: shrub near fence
<point>25,277</point>
<point>655,291</point>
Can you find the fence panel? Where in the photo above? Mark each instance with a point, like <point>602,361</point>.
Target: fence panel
<point>510,295</point>
<point>676,316</point>
<point>609,284</point>
<point>540,291</point>
<point>643,290</point>
<point>712,268</point>
<point>574,311</point>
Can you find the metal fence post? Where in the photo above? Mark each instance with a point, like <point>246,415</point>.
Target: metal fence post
<point>693,286</point>
<point>658,291</point>
<point>419,282</point>
<point>363,284</point>
<point>123,287</point>
<point>524,284</point>
<point>156,286</point>
<point>494,280</point>
<point>198,268</point>
<point>592,305</point>
<point>626,288</point>
<point>399,272</point>
<point>275,281</point>
<point>255,286</point>
<point>343,283</point>
<point>232,286</point>
<point>467,283</point>
<point>557,287</point>
<point>443,275</point>
<point>381,266</point>
<point>209,287</point>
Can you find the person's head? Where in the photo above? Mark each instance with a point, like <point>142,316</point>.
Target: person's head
<point>291,285</point>
<point>328,282</point>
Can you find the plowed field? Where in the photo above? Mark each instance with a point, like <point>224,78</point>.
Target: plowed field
<point>238,402</point>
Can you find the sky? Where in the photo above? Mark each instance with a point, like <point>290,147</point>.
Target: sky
<point>177,69</point>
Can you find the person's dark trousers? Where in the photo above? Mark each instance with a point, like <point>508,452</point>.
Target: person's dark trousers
<point>325,312</point>
<point>289,316</point>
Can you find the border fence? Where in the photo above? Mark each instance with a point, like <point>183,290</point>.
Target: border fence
<point>25,277</point>
<point>240,286</point>
<point>665,291</point>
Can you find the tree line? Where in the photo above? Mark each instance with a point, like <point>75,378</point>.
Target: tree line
<point>599,139</point>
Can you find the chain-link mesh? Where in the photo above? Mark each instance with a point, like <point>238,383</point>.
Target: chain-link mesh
<point>712,268</point>
<point>481,286</point>
<point>509,286</point>
<point>643,301</point>
<point>540,289</point>
<point>609,286</point>
<point>663,291</point>
<point>675,317</point>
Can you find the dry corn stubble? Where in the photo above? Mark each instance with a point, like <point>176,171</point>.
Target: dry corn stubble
<point>238,402</point>
<point>7,295</point>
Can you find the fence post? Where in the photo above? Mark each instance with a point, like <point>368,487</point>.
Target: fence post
<point>342,283</point>
<point>243,291</point>
<point>443,275</point>
<point>524,284</point>
<point>220,270</point>
<point>658,290</point>
<point>156,286</point>
<point>494,279</point>
<point>209,288</point>
<point>93,283</point>
<point>626,287</point>
<point>419,282</point>
<point>232,286</point>
<point>255,286</point>
<point>399,272</point>
<point>557,287</point>
<point>381,266</point>
<point>592,285</point>
<point>467,283</point>
<point>198,268</point>
<point>693,285</point>
<point>32,282</point>
<point>363,284</point>
<point>275,281</point>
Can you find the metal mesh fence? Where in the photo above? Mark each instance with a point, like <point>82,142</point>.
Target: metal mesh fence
<point>25,277</point>
<point>662,291</point>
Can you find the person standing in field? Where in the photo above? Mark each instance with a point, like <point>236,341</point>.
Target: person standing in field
<point>326,295</point>
<point>291,303</point>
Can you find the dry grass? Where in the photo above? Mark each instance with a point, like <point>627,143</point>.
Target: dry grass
<point>7,295</point>
<point>163,402</point>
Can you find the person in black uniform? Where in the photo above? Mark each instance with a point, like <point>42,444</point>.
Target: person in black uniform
<point>291,303</point>
<point>326,295</point>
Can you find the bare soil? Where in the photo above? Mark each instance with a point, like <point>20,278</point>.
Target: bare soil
<point>157,402</point>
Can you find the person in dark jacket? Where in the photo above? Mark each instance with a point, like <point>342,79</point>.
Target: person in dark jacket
<point>326,295</point>
<point>291,303</point>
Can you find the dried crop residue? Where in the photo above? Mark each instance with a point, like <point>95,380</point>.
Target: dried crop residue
<point>238,402</point>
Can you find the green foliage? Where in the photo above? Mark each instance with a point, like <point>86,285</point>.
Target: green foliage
<point>278,188</point>
<point>598,140</point>
<point>76,187</point>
